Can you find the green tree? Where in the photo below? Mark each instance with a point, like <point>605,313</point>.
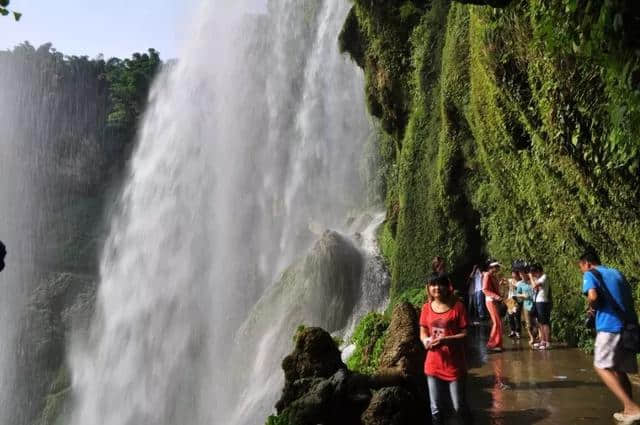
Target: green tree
<point>130,80</point>
<point>4,11</point>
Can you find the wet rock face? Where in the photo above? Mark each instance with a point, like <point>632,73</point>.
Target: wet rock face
<point>402,351</point>
<point>60,301</point>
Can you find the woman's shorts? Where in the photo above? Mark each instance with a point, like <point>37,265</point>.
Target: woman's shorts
<point>543,313</point>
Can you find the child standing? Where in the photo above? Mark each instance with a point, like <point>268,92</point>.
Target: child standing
<point>524,293</point>
<point>443,328</point>
<point>514,308</point>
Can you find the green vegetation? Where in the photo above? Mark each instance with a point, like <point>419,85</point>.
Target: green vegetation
<point>130,80</point>
<point>4,11</point>
<point>281,419</point>
<point>368,338</point>
<point>512,132</point>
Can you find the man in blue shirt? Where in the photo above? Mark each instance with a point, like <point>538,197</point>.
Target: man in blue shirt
<point>611,361</point>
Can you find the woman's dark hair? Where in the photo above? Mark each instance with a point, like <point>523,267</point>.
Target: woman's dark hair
<point>590,257</point>
<point>536,267</point>
<point>441,279</point>
<point>438,279</point>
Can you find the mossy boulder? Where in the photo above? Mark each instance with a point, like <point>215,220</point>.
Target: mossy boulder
<point>395,406</point>
<point>403,353</point>
<point>315,356</point>
<point>318,386</point>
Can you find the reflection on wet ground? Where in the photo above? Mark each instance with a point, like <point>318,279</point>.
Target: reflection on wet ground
<point>521,386</point>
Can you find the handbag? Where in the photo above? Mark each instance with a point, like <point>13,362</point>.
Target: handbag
<point>630,334</point>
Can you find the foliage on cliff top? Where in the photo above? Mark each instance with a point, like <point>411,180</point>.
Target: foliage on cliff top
<point>521,137</point>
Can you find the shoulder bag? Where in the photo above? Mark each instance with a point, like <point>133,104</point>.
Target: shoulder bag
<point>630,329</point>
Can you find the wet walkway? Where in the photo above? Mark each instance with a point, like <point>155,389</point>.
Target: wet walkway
<point>521,386</point>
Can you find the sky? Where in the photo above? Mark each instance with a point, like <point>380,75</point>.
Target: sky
<point>110,27</point>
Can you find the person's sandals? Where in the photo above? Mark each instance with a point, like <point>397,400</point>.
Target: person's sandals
<point>626,419</point>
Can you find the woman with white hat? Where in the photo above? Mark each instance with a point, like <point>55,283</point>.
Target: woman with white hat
<point>491,290</point>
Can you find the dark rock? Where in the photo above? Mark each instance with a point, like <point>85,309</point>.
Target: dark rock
<point>319,389</point>
<point>315,356</point>
<point>402,353</point>
<point>395,406</point>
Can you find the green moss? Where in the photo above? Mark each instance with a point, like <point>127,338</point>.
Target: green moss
<point>368,338</point>
<point>520,138</point>
<point>415,296</point>
<point>281,419</point>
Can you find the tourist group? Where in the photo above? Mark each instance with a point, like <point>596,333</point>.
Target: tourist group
<point>525,296</point>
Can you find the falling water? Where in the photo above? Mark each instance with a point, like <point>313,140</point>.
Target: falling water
<point>250,146</point>
<point>50,126</point>
<point>17,214</point>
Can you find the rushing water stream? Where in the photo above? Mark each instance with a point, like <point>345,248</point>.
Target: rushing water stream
<point>251,145</point>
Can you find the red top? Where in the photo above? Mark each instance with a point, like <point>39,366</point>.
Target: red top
<point>490,286</point>
<point>446,361</point>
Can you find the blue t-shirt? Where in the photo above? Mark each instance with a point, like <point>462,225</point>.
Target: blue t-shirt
<point>523,288</point>
<point>606,318</point>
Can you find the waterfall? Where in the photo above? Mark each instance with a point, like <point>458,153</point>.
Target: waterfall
<point>50,118</point>
<point>249,148</point>
<point>19,210</point>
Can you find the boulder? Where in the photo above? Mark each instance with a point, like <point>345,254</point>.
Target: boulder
<point>402,355</point>
<point>395,406</point>
<point>319,389</point>
<point>315,356</point>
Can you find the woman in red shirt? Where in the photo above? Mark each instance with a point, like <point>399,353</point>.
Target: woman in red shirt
<point>443,328</point>
<point>491,290</point>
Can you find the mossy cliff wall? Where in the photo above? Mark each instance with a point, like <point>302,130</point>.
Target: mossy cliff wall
<point>511,132</point>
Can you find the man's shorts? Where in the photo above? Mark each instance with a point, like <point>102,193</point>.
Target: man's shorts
<point>609,354</point>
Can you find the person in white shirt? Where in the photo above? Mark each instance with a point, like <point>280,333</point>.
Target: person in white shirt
<point>542,299</point>
<point>476,296</point>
